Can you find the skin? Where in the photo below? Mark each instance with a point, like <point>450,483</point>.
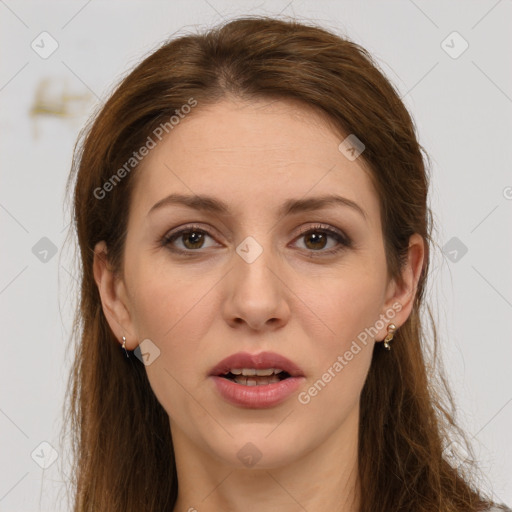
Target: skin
<point>198,310</point>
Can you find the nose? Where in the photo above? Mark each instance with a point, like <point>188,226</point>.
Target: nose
<point>256,293</point>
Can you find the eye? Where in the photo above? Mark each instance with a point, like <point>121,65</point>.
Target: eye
<point>317,237</point>
<point>192,238</point>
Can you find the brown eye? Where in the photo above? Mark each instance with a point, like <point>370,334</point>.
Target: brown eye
<point>191,239</point>
<point>317,238</point>
<point>196,238</point>
<point>318,241</point>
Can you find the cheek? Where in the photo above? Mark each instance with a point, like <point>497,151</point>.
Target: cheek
<point>175,311</point>
<point>175,314</point>
<point>165,303</point>
<point>346,304</point>
<point>340,350</point>
<point>340,357</point>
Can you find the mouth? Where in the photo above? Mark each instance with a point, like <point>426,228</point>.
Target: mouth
<point>256,381</point>
<point>253,377</point>
<point>251,369</point>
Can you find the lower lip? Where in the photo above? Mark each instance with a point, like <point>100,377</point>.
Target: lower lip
<point>257,397</point>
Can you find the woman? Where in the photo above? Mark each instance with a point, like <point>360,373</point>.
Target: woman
<point>251,211</point>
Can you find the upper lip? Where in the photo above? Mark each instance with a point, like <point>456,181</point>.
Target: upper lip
<point>258,361</point>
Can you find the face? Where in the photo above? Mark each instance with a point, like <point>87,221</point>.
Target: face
<point>308,284</point>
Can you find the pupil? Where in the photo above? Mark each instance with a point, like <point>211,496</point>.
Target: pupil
<point>313,235</point>
<point>193,234</point>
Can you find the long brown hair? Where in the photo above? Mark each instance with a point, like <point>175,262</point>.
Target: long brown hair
<point>123,455</point>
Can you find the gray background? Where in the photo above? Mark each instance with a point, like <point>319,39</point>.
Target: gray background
<point>462,107</point>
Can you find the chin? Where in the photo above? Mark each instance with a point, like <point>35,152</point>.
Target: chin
<point>259,449</point>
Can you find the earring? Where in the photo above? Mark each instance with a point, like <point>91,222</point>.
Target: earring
<point>389,337</point>
<point>124,346</point>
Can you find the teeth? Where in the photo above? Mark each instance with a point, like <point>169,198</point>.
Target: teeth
<point>261,381</point>
<point>252,371</point>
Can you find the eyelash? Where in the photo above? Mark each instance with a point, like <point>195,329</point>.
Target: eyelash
<point>343,241</point>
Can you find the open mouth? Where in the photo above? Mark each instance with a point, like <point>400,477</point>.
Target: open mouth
<point>246,379</point>
<point>256,381</point>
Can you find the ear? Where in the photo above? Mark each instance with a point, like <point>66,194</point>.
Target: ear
<point>406,293</point>
<point>113,297</point>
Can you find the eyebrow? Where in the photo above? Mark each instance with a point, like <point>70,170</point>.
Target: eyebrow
<point>291,206</point>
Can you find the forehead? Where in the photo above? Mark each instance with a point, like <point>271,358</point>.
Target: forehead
<point>253,154</point>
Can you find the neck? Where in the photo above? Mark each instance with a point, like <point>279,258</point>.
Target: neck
<point>324,478</point>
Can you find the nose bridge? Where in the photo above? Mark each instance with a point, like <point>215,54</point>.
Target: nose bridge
<point>257,245</point>
<point>255,257</point>
<point>257,293</point>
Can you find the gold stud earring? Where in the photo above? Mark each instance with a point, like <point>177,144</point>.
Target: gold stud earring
<point>389,336</point>
<point>124,346</point>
